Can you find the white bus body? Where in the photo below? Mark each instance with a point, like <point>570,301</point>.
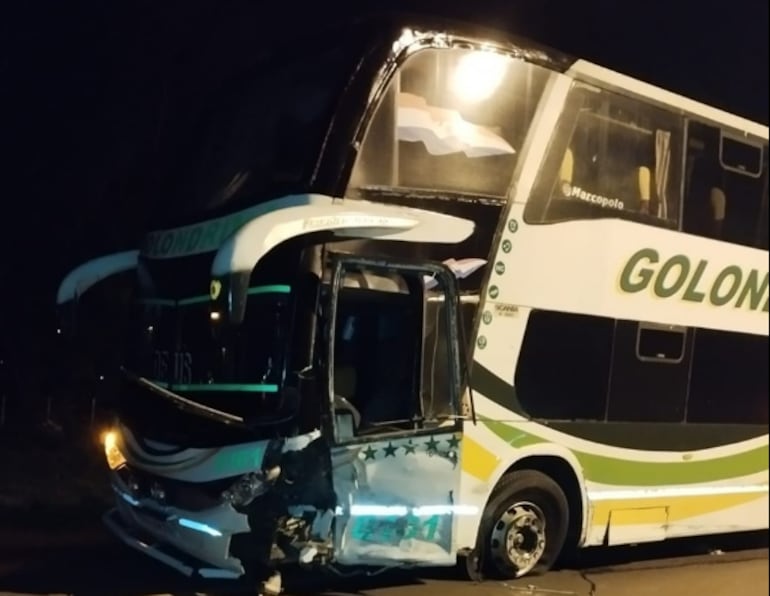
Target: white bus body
<point>565,310</point>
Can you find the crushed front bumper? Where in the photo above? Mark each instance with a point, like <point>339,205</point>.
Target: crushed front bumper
<point>193,543</point>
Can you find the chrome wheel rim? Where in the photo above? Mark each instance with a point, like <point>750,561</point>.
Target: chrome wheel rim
<point>518,536</point>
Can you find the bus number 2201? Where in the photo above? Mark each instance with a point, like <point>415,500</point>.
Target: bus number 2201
<point>389,530</point>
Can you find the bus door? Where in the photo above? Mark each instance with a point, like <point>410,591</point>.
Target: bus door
<point>394,380</point>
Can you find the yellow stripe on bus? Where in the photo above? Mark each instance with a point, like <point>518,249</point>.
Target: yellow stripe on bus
<point>679,507</point>
<point>478,461</point>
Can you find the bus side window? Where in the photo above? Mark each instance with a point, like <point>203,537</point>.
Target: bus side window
<point>729,382</point>
<point>650,369</point>
<point>561,352</point>
<point>704,204</point>
<point>437,371</point>
<point>373,352</point>
<point>393,366</point>
<point>612,156</point>
<point>725,187</point>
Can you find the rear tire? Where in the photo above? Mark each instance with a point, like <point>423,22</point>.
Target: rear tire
<point>524,525</point>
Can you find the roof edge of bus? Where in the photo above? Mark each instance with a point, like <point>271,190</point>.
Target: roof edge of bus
<point>566,63</point>
<point>396,20</point>
<point>594,73</point>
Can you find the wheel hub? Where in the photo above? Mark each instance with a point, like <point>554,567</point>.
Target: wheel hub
<point>519,536</point>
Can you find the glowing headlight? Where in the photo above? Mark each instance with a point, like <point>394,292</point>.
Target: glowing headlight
<point>114,457</point>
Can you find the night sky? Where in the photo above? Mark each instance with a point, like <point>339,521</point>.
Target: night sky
<point>96,99</point>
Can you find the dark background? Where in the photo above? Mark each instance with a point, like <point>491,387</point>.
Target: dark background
<point>97,100</point>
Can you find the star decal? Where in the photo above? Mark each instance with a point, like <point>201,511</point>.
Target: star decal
<point>390,450</point>
<point>454,442</point>
<point>369,453</point>
<point>409,447</point>
<point>432,445</point>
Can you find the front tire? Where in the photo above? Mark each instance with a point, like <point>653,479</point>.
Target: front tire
<point>524,525</point>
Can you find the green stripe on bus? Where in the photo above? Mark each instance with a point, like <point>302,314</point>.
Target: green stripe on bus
<point>273,289</point>
<point>616,471</point>
<point>270,289</point>
<point>193,300</point>
<point>237,387</point>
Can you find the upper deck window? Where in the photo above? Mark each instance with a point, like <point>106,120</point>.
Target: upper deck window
<point>450,120</point>
<point>725,186</point>
<point>611,156</point>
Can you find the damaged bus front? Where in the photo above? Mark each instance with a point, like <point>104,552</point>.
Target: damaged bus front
<point>296,390</point>
<point>241,443</point>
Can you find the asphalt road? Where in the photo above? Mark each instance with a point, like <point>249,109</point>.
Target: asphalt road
<point>84,561</point>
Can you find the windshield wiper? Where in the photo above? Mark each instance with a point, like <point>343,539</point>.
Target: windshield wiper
<point>185,404</point>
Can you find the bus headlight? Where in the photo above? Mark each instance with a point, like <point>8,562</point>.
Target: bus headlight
<point>114,457</point>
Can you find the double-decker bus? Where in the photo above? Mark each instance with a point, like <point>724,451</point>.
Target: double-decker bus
<point>427,292</point>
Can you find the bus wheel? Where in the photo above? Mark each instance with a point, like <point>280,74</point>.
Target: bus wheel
<point>524,524</point>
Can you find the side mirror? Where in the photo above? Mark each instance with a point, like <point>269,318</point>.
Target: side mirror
<point>78,281</point>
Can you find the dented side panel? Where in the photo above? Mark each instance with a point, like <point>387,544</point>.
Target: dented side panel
<point>397,500</point>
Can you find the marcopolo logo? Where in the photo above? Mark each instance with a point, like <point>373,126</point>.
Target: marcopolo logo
<point>695,281</point>
<point>575,192</point>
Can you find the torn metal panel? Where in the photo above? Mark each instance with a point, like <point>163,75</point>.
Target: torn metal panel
<point>383,519</point>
